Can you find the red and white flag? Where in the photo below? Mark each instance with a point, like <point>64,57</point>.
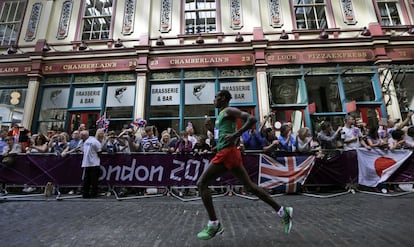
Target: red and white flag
<point>376,166</point>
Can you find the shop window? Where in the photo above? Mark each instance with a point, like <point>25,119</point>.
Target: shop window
<point>11,16</point>
<point>120,101</point>
<point>95,78</point>
<point>57,80</point>
<point>335,121</point>
<point>200,16</point>
<point>12,104</point>
<point>389,12</point>
<point>367,117</point>
<point>53,110</point>
<point>112,94</point>
<point>165,100</point>
<point>358,88</point>
<point>284,91</point>
<point>177,102</point>
<point>405,92</point>
<point>310,14</point>
<point>323,90</point>
<point>164,111</point>
<point>97,18</point>
<point>118,77</point>
<point>199,98</point>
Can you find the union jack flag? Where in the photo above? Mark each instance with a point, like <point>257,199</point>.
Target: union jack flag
<point>103,122</point>
<point>139,122</point>
<point>284,174</point>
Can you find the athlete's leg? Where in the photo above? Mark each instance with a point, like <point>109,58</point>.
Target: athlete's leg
<point>212,172</point>
<point>242,175</point>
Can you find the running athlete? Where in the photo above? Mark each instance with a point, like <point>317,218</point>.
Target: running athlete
<point>228,158</point>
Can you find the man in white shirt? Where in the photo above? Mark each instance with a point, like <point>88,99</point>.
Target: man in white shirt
<point>91,163</point>
<point>350,134</point>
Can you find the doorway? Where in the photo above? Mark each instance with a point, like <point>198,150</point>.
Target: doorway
<point>83,117</point>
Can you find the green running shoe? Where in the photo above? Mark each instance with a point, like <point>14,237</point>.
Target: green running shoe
<point>210,231</point>
<point>287,219</point>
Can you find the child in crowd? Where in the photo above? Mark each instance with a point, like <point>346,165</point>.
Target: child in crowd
<point>201,147</point>
<point>184,145</point>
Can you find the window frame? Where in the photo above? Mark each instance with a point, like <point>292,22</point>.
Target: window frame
<point>77,81</point>
<point>217,18</point>
<point>402,12</point>
<point>17,24</point>
<point>330,21</point>
<point>303,105</point>
<point>83,18</point>
<point>217,77</point>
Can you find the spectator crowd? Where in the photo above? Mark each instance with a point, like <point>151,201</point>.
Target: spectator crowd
<point>261,138</point>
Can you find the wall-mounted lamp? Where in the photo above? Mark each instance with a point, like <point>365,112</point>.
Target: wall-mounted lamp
<point>365,32</point>
<point>411,30</point>
<point>46,47</point>
<point>200,40</point>
<point>284,35</point>
<point>83,46</point>
<point>160,41</point>
<point>239,38</point>
<point>118,43</point>
<point>11,50</point>
<point>323,34</point>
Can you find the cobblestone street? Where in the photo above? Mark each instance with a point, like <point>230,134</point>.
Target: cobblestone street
<point>348,220</point>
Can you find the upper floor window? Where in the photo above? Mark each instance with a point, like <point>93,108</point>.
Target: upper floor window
<point>11,16</point>
<point>310,14</point>
<point>389,12</point>
<point>97,19</point>
<point>200,16</point>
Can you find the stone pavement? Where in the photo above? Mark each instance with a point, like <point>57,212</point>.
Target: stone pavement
<point>349,220</point>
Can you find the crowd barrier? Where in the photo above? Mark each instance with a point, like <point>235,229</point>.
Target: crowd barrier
<point>173,170</point>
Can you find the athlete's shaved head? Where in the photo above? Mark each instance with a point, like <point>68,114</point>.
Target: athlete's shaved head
<point>226,94</point>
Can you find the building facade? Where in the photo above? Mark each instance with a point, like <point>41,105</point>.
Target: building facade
<point>66,62</point>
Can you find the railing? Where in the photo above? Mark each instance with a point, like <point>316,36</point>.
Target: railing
<point>160,170</point>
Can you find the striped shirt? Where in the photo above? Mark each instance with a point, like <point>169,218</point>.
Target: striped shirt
<point>150,144</point>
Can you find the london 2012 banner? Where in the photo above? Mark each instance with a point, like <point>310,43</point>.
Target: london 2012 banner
<point>138,169</point>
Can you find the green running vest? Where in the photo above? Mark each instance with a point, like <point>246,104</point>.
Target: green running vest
<point>223,126</point>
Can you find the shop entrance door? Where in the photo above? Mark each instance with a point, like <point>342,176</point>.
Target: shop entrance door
<point>83,117</point>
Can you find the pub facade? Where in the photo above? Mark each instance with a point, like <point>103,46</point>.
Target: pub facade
<point>68,62</point>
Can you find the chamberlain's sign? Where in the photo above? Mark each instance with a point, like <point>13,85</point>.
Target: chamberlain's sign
<point>201,61</point>
<point>90,66</point>
<point>15,69</point>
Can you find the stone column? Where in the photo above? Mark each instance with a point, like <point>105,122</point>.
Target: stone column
<point>30,101</point>
<point>262,93</point>
<point>140,95</point>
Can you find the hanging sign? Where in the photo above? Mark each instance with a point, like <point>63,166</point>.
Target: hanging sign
<point>55,98</point>
<point>87,97</point>
<point>120,96</point>
<point>165,94</point>
<point>199,93</point>
<point>240,91</point>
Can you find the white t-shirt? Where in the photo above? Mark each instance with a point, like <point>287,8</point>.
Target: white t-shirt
<point>409,141</point>
<point>91,147</point>
<point>349,133</point>
<point>193,140</point>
